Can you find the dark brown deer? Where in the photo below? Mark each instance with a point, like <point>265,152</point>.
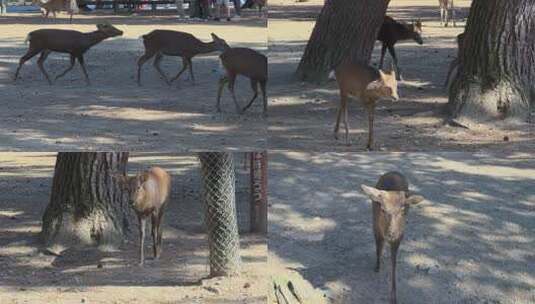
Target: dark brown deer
<point>391,201</point>
<point>455,63</point>
<point>246,62</point>
<point>393,31</point>
<point>148,193</point>
<point>75,43</point>
<point>447,12</point>
<point>173,43</point>
<point>367,84</point>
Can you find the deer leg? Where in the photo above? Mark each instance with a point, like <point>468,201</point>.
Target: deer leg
<point>392,52</point>
<point>254,86</point>
<point>264,98</point>
<point>453,16</point>
<point>231,81</point>
<point>142,222</point>
<point>29,54</point>
<point>393,255</point>
<point>156,65</point>
<point>40,62</point>
<point>379,245</point>
<point>383,52</point>
<point>140,62</point>
<point>441,16</point>
<point>154,230</point>
<point>371,109</point>
<point>222,81</point>
<point>446,17</point>
<point>339,114</point>
<point>160,232</point>
<point>184,67</point>
<point>67,69</point>
<point>82,64</point>
<point>346,123</point>
<point>190,66</point>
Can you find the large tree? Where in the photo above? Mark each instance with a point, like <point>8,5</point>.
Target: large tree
<point>344,30</point>
<point>219,198</point>
<point>87,205</point>
<point>496,75</point>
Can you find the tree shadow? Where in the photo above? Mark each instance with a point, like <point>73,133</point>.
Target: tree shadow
<point>469,242</point>
<point>114,113</point>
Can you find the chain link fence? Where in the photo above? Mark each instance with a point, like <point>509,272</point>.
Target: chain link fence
<point>219,201</point>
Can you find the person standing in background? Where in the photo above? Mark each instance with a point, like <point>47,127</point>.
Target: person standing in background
<point>237,8</point>
<point>3,7</point>
<point>219,6</point>
<point>180,8</point>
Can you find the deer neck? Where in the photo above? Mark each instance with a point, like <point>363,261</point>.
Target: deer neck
<point>94,38</point>
<point>207,47</point>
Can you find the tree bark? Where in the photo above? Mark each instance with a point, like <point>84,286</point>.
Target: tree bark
<point>344,30</point>
<point>218,178</point>
<point>87,206</point>
<point>259,203</point>
<point>495,79</point>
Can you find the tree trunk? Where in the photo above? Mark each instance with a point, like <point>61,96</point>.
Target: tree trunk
<point>495,79</point>
<point>87,206</point>
<point>218,178</point>
<point>259,209</point>
<point>344,30</point>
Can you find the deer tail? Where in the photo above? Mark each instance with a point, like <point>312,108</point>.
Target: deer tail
<point>27,38</point>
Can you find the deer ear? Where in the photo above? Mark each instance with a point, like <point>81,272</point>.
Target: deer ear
<point>414,199</point>
<point>374,194</point>
<point>214,36</point>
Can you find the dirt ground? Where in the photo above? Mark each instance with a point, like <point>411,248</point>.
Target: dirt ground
<point>114,113</point>
<point>302,115</point>
<point>30,276</point>
<point>470,242</point>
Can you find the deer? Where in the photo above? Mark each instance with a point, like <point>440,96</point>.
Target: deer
<point>393,31</point>
<point>55,6</point>
<point>367,84</point>
<point>455,63</point>
<point>390,205</point>
<point>246,62</point>
<point>75,43</point>
<point>174,43</point>
<point>447,12</point>
<point>148,193</point>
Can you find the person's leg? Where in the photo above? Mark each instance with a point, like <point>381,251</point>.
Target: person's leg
<point>227,9</point>
<point>237,7</point>
<point>217,13</point>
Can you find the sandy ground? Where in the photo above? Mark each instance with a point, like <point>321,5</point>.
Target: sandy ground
<point>29,276</point>
<point>302,116</point>
<point>470,241</point>
<point>114,113</point>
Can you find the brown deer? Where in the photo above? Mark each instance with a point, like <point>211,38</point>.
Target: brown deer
<point>246,62</point>
<point>75,43</point>
<point>391,201</point>
<point>447,12</point>
<point>55,6</point>
<point>393,31</point>
<point>367,84</point>
<point>174,43</point>
<point>455,63</point>
<point>148,193</point>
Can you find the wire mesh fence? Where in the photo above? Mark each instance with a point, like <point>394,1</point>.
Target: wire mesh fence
<point>219,201</point>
